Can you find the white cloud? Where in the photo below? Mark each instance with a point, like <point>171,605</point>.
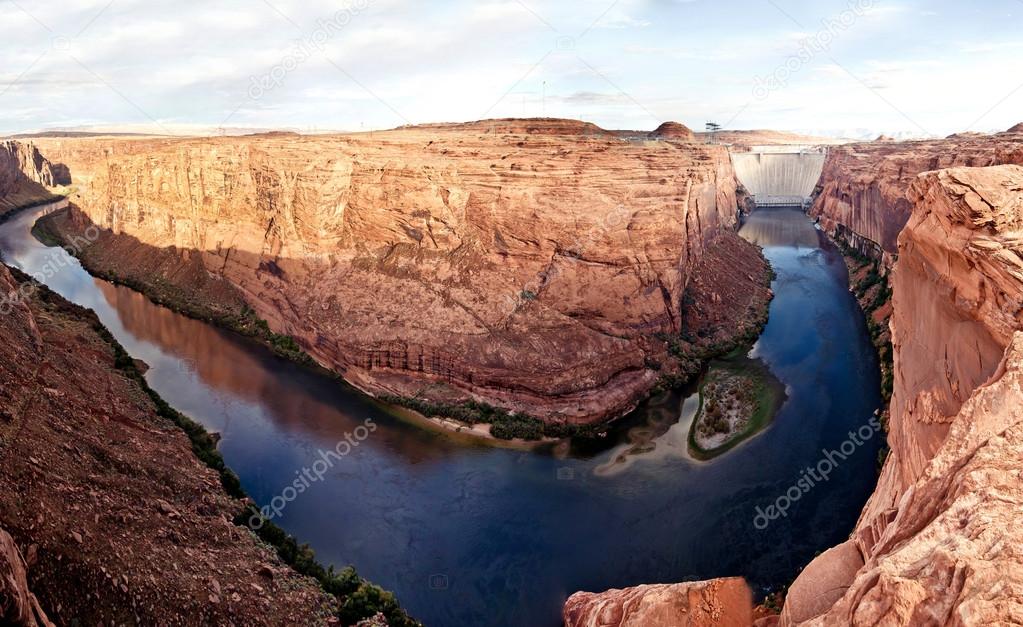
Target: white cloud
<point>191,61</point>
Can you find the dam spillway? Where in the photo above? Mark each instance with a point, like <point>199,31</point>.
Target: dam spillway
<point>779,176</point>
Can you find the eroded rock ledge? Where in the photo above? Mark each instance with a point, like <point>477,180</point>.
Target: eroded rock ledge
<point>721,602</point>
<point>939,538</point>
<point>531,266</point>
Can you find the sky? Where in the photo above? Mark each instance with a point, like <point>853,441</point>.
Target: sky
<point>853,68</point>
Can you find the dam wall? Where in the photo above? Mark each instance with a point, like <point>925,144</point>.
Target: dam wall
<point>777,178</point>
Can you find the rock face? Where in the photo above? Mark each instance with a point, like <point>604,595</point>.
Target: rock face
<point>18,606</point>
<point>673,130</point>
<point>722,602</point>
<point>1016,129</point>
<point>529,270</point>
<point>116,519</point>
<point>862,196</point>
<point>938,541</point>
<point>25,175</point>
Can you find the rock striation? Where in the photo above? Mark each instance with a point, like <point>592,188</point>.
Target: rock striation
<point>530,268</point>
<point>673,130</point>
<point>18,606</point>
<point>722,602</point>
<point>25,175</point>
<point>862,198</point>
<point>937,542</point>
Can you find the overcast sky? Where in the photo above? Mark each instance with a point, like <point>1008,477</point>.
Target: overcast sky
<point>850,67</point>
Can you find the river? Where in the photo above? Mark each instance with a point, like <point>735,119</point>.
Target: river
<point>469,534</point>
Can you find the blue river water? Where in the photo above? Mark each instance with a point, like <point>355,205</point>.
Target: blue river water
<point>469,534</point>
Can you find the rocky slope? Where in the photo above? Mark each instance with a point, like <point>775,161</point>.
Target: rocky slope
<point>25,176</point>
<point>108,509</point>
<point>862,196</point>
<point>525,264</point>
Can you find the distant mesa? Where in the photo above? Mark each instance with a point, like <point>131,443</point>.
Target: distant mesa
<point>673,130</point>
<point>520,126</point>
<point>884,138</point>
<point>273,134</point>
<point>1016,129</point>
<point>966,135</point>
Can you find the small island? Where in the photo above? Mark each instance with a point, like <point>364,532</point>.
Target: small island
<point>739,397</point>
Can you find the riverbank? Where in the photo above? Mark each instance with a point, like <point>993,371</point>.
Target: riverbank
<point>869,283</point>
<point>345,595</point>
<point>724,305</point>
<point>119,516</point>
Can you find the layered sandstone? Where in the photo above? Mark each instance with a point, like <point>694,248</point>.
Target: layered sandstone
<point>530,269</point>
<point>673,130</point>
<point>938,541</point>
<point>862,198</point>
<point>25,175</point>
<point>721,602</point>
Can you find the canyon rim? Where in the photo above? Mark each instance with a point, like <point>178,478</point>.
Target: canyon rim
<point>580,314</point>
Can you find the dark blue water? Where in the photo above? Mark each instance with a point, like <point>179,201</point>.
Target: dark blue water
<point>468,534</point>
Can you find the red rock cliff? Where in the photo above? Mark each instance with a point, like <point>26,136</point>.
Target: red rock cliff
<point>529,270</point>
<point>25,175</point>
<point>107,515</point>
<point>937,544</point>
<point>862,195</point>
<point>938,541</point>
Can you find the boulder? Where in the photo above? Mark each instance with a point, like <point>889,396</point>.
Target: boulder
<point>721,602</point>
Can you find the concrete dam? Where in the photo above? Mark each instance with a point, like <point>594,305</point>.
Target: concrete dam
<point>779,176</point>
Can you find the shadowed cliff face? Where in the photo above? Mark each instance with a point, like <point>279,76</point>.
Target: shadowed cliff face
<point>862,196</point>
<point>527,269</point>
<point>25,175</point>
<point>938,541</point>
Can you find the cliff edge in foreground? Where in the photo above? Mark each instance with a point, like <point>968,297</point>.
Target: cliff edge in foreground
<point>939,540</point>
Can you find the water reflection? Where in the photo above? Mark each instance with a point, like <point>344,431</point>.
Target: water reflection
<point>512,533</point>
<point>781,227</point>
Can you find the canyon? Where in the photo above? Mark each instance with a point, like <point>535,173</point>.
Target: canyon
<point>936,542</point>
<point>537,267</point>
<point>26,177</point>
<point>527,265</point>
<point>861,197</point>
